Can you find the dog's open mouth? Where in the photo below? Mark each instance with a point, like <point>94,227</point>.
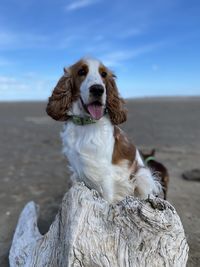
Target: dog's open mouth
<point>96,110</point>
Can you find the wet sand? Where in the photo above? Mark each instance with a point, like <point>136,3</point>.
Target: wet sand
<point>32,166</point>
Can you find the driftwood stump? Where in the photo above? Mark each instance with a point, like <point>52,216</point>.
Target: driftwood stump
<point>88,232</point>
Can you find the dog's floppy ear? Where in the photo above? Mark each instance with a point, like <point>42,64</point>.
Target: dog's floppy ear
<point>61,98</point>
<point>115,104</point>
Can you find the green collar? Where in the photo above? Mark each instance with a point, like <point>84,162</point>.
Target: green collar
<point>82,120</point>
<point>149,159</point>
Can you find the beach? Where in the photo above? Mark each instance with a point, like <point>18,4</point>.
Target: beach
<point>32,166</point>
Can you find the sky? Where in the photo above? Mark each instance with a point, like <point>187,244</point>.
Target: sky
<point>153,46</point>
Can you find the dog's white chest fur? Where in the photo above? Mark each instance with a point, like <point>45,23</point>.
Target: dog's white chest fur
<point>89,149</point>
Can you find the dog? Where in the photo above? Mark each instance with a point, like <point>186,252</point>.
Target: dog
<point>100,154</point>
<point>158,169</point>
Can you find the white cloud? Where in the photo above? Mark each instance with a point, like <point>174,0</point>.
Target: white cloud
<point>115,58</point>
<point>9,83</point>
<point>80,4</point>
<point>130,33</point>
<point>28,87</point>
<point>11,40</point>
<point>24,40</point>
<point>67,40</point>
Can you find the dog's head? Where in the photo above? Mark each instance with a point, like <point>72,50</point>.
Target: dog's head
<point>89,87</point>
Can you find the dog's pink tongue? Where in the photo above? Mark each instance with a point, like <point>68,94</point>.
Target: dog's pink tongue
<point>96,111</point>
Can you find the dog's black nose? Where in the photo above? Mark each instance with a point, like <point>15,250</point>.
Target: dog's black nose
<point>97,90</point>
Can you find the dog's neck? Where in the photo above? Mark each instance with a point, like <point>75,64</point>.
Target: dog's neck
<point>79,120</point>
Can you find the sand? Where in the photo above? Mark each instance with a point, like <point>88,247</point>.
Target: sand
<point>32,166</point>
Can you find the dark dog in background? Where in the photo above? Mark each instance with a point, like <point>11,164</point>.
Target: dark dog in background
<point>157,168</point>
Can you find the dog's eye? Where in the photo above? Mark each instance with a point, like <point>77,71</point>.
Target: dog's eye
<point>82,72</point>
<point>103,74</point>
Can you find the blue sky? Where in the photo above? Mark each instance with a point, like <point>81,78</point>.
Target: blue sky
<point>152,45</point>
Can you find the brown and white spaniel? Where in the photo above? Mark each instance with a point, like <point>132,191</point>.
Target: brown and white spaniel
<point>100,155</point>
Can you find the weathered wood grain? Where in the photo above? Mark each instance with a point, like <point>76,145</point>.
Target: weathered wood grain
<point>88,232</point>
